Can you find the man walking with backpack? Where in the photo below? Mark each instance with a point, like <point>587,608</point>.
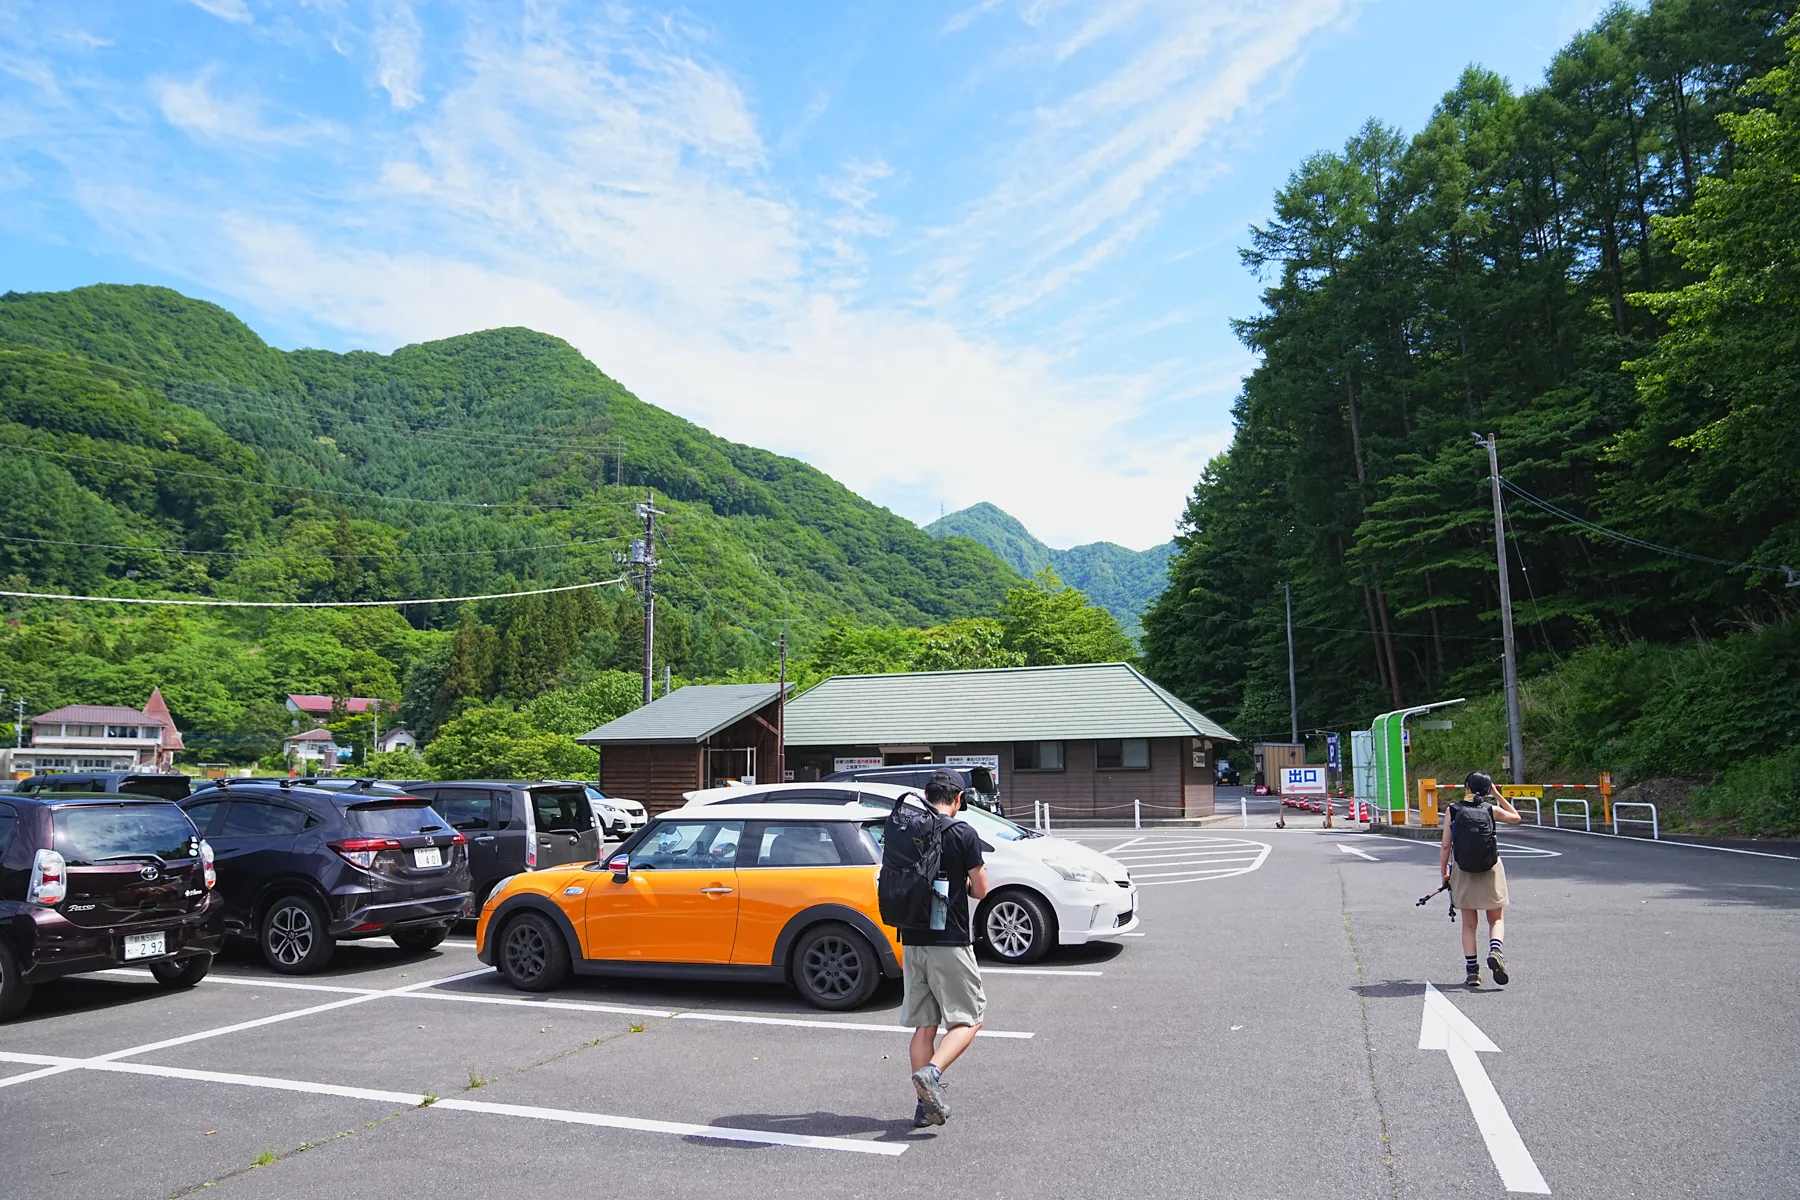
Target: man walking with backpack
<point>1478,884</point>
<point>931,867</point>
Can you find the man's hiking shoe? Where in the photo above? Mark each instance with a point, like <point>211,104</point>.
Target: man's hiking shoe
<point>928,1082</point>
<point>1497,964</point>
<point>1474,979</point>
<point>920,1118</point>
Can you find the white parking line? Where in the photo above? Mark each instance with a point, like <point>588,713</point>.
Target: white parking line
<point>986,971</point>
<point>415,1100</point>
<point>220,1031</point>
<point>745,1019</point>
<point>564,1005</point>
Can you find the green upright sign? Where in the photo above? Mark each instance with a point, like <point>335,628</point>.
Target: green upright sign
<point>1388,735</point>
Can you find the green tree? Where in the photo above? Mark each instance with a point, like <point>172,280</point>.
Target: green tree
<point>575,711</point>
<point>500,743</point>
<point>1048,623</point>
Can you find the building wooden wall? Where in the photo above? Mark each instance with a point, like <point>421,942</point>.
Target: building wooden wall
<point>654,776</point>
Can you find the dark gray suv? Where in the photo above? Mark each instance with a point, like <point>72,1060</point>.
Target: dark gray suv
<point>514,825</point>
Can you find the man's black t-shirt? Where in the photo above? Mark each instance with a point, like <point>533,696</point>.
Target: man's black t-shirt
<point>961,854</point>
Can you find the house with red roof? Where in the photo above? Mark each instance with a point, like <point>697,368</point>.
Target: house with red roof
<point>317,709</point>
<point>102,737</point>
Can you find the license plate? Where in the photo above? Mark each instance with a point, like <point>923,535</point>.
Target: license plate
<point>428,856</point>
<point>145,945</point>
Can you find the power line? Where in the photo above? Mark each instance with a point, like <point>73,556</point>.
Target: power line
<point>1461,637</point>
<point>571,587</point>
<point>271,554</point>
<point>1793,576</point>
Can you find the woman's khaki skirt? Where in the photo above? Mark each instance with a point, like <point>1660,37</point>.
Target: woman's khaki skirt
<point>1481,890</point>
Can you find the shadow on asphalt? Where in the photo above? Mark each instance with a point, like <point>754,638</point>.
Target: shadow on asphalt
<point>815,1124</point>
<point>1389,989</point>
<point>79,994</point>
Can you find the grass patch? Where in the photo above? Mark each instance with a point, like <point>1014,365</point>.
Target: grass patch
<point>264,1158</point>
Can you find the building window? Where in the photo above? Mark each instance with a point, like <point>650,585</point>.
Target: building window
<point>1037,756</point>
<point>1122,754</point>
<point>121,731</point>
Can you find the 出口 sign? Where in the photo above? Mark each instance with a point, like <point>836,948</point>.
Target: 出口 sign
<point>1303,781</point>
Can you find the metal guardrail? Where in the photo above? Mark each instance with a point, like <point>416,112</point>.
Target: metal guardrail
<point>1587,820</point>
<point>1655,831</point>
<point>1537,807</point>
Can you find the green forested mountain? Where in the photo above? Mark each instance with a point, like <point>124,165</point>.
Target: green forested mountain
<point>1120,580</point>
<point>155,446</point>
<point>1604,270</point>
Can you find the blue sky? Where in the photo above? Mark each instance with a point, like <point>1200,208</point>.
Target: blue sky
<point>979,250</point>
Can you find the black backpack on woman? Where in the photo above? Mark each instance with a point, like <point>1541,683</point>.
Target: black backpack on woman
<point>1474,840</point>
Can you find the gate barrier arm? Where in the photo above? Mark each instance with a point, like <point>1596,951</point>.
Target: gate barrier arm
<point>1587,820</point>
<point>1655,832</point>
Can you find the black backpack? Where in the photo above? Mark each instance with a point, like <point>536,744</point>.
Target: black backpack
<point>912,846</point>
<point>1474,842</point>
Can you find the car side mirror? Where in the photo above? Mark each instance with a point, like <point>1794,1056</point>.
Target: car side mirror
<point>620,866</point>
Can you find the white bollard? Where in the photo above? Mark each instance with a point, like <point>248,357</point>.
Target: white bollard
<point>1137,814</point>
<point>1046,816</point>
<point>1244,811</point>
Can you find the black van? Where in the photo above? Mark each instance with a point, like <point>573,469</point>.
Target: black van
<point>119,783</point>
<point>514,825</point>
<point>982,789</point>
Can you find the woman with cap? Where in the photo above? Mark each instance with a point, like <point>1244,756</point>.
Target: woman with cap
<point>1476,892</point>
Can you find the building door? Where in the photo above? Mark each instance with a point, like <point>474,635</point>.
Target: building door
<point>729,763</point>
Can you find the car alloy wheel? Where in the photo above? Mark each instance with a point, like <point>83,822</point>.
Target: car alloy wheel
<point>1011,929</point>
<point>291,934</point>
<point>532,953</point>
<point>834,966</point>
<point>527,952</point>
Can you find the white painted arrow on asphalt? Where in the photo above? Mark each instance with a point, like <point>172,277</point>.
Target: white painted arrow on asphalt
<point>1358,853</point>
<point>1445,1028</point>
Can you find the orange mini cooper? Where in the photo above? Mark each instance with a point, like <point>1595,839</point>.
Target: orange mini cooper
<point>785,894</point>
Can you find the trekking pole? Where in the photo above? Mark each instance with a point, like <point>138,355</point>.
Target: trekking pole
<point>1424,900</point>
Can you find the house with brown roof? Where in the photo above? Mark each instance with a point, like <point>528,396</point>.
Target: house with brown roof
<point>102,737</point>
<point>317,709</point>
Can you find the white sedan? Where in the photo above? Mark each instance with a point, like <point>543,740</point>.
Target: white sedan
<point>1043,891</point>
<point>618,817</point>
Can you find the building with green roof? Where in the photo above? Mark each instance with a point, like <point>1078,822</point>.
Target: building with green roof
<point>1087,739</point>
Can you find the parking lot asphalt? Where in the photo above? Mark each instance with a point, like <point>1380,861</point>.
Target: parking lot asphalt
<point>1261,1038</point>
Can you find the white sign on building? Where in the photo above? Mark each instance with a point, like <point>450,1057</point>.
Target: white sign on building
<point>854,764</point>
<point>990,761</point>
<point>1303,781</point>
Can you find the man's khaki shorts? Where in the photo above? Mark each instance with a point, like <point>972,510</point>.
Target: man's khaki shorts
<point>943,987</point>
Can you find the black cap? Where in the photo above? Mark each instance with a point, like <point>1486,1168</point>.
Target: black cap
<point>943,786</point>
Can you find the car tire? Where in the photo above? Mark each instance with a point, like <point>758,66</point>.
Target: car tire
<point>1015,927</point>
<point>293,936</point>
<point>182,972</point>
<point>417,941</point>
<point>834,968</point>
<point>532,954</point>
<point>15,993</point>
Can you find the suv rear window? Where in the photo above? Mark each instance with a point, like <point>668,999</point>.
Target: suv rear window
<point>561,810</point>
<point>91,833</point>
<point>395,820</point>
<point>163,787</point>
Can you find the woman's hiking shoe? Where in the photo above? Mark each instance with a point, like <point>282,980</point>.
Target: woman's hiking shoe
<point>928,1082</point>
<point>1473,980</point>
<point>920,1119</point>
<point>1497,964</point>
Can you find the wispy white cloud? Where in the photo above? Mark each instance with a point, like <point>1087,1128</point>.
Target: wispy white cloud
<point>399,53</point>
<point>234,11</point>
<point>1148,83</point>
<point>192,106</point>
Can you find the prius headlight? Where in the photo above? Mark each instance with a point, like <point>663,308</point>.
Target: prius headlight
<point>1076,874</point>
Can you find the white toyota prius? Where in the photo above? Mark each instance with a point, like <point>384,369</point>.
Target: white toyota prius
<point>1042,891</point>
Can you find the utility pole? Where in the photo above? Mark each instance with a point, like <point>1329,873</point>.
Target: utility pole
<point>19,725</point>
<point>1293,690</point>
<point>619,475</point>
<point>1514,734</point>
<point>644,553</point>
<point>781,716</point>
